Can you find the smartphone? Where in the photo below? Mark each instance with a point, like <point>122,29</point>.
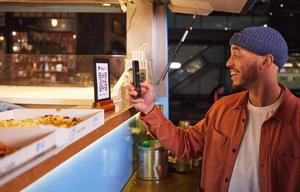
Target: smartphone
<point>136,78</point>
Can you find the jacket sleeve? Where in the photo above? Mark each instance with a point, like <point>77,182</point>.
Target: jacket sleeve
<point>184,143</point>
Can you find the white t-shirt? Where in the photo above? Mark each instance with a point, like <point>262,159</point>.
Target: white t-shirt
<point>245,176</point>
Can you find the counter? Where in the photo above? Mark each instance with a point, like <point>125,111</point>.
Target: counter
<point>92,162</point>
<point>173,182</point>
<point>38,95</point>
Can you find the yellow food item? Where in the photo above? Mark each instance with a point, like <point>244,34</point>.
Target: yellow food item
<point>52,120</point>
<point>59,120</point>
<point>25,123</point>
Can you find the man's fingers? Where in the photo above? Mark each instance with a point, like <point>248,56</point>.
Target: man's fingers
<point>146,85</point>
<point>132,93</point>
<point>136,101</point>
<point>130,87</point>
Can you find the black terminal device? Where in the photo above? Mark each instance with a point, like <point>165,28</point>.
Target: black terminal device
<point>136,78</point>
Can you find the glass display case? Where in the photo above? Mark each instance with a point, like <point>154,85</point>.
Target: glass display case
<point>35,42</point>
<point>55,70</point>
<point>289,75</point>
<point>57,48</point>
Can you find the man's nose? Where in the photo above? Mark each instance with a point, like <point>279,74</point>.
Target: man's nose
<point>229,62</point>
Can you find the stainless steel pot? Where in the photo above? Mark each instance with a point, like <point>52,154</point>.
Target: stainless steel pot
<point>152,161</point>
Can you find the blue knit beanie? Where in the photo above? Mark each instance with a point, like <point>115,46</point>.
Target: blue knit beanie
<point>262,41</point>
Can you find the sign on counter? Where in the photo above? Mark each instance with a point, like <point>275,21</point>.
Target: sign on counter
<point>101,79</point>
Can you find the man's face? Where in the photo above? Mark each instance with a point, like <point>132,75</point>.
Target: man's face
<point>243,67</point>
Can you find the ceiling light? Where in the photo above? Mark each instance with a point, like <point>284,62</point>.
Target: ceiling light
<point>106,4</point>
<point>15,48</point>
<point>14,33</point>
<point>288,65</point>
<point>281,5</point>
<point>54,22</point>
<point>175,65</point>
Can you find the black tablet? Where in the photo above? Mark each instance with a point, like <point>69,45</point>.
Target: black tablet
<point>101,79</point>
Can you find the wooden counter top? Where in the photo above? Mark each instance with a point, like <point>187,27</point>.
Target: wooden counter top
<point>113,119</point>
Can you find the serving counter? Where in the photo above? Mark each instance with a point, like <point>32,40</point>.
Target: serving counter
<point>39,95</point>
<point>100,160</point>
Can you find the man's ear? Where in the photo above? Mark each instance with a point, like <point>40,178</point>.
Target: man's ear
<point>267,62</point>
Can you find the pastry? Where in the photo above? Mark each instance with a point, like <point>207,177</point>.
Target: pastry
<point>53,120</point>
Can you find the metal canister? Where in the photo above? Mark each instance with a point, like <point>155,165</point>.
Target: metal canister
<point>183,165</point>
<point>152,161</point>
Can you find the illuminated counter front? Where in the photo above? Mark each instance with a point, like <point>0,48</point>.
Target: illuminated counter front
<point>38,95</point>
<point>99,161</point>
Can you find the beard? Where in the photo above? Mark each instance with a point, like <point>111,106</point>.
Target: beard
<point>247,78</point>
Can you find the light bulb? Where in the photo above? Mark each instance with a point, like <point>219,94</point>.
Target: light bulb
<point>54,22</point>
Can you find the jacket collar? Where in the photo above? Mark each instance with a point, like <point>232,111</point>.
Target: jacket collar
<point>285,110</point>
<point>287,104</point>
<point>243,100</point>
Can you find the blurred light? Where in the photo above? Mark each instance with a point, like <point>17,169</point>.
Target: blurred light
<point>54,22</point>
<point>291,15</point>
<point>265,25</point>
<point>282,70</point>
<point>271,13</point>
<point>106,4</point>
<point>63,25</point>
<point>74,36</point>
<point>298,64</point>
<point>15,48</point>
<point>14,33</point>
<point>281,5</point>
<point>175,65</point>
<point>288,65</point>
<point>226,28</point>
<point>1,38</point>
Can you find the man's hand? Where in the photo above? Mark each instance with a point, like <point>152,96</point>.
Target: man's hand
<point>146,103</point>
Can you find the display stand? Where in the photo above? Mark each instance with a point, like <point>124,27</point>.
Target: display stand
<point>102,85</point>
<point>107,105</point>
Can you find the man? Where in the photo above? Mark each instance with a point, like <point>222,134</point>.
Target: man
<point>250,141</point>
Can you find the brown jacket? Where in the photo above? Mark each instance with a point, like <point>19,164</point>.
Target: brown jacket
<point>219,135</point>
